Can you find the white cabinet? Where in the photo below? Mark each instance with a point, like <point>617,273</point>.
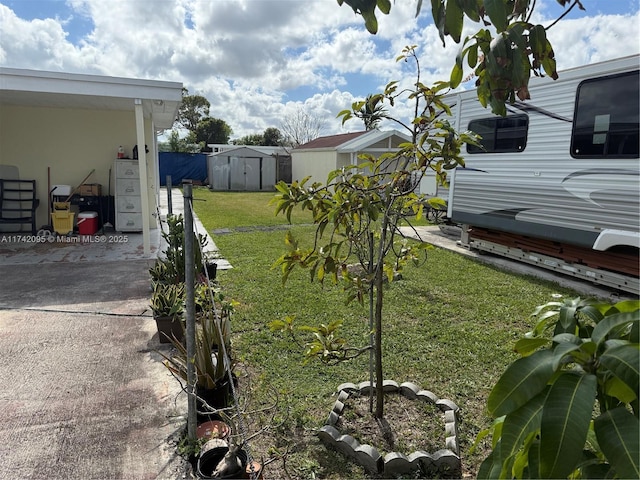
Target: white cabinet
<point>128,201</point>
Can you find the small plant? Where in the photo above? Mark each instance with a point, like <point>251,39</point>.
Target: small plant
<point>167,300</point>
<point>569,406</point>
<point>174,253</point>
<point>212,343</point>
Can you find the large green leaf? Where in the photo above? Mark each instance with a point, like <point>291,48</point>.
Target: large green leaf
<point>610,322</point>
<point>624,362</point>
<point>453,20</point>
<point>517,426</point>
<point>523,380</point>
<point>497,11</point>
<point>617,431</point>
<point>565,422</point>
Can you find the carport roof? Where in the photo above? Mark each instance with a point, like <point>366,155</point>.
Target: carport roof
<point>160,99</point>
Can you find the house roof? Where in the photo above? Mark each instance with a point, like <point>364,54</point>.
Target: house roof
<point>352,142</point>
<point>160,99</point>
<point>330,141</point>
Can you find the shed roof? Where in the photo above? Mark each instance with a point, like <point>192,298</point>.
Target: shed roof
<point>37,88</point>
<point>352,142</point>
<point>330,141</point>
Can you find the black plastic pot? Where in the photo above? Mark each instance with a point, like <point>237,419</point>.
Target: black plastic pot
<point>218,398</point>
<point>169,327</point>
<point>210,459</point>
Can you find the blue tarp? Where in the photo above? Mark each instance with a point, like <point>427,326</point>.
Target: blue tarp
<point>192,166</point>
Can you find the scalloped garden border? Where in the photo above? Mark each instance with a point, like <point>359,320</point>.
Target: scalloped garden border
<point>395,463</point>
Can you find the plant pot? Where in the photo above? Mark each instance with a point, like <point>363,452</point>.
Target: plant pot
<point>218,398</point>
<point>213,429</point>
<point>210,459</point>
<point>169,327</point>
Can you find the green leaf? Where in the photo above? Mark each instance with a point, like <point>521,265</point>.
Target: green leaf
<point>489,468</point>
<point>523,380</point>
<point>497,11</point>
<point>453,20</point>
<point>517,427</point>
<point>526,346</point>
<point>456,75</point>
<point>610,322</point>
<point>617,433</point>
<point>624,362</point>
<point>565,422</point>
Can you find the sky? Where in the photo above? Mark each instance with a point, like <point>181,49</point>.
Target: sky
<point>259,61</point>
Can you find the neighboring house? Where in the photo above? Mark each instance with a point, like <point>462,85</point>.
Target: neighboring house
<point>325,154</point>
<point>75,123</point>
<point>247,168</point>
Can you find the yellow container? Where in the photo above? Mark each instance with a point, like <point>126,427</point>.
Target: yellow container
<point>62,218</point>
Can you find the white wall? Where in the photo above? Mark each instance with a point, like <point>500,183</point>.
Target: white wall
<point>318,164</point>
<point>72,142</point>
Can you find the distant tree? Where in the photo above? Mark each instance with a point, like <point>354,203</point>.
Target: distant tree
<point>211,130</point>
<point>253,139</point>
<point>371,111</point>
<point>301,127</point>
<point>193,110</point>
<point>177,144</point>
<point>272,137</point>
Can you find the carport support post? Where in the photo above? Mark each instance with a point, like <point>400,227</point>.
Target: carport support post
<point>189,278</point>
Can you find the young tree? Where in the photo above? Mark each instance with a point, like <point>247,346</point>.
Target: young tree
<point>502,63</point>
<point>358,213</point>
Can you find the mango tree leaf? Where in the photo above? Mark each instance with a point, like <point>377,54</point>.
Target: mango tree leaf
<point>526,346</point>
<point>517,427</point>
<point>489,468</point>
<point>565,422</point>
<point>523,380</point>
<point>453,20</point>
<point>610,322</point>
<point>624,362</point>
<point>497,11</point>
<point>617,431</point>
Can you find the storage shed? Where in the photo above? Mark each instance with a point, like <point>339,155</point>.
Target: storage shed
<point>244,169</point>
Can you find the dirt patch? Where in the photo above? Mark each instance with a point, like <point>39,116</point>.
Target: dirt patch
<point>407,425</point>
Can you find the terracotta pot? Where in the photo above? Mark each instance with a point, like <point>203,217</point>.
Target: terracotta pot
<point>213,429</point>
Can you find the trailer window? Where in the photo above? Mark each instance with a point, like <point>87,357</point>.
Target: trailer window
<point>605,122</point>
<point>499,135</point>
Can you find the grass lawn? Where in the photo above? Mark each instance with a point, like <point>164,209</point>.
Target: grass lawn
<point>450,326</point>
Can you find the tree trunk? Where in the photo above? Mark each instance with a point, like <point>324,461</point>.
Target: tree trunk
<point>378,346</point>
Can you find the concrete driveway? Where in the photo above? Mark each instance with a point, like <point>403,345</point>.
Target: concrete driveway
<point>83,393</point>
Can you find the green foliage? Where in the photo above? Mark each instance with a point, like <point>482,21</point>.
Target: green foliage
<point>177,144</point>
<point>502,63</point>
<point>193,109</point>
<point>174,253</point>
<point>211,130</point>
<point>167,300</point>
<point>569,406</point>
<point>211,359</point>
<point>358,211</point>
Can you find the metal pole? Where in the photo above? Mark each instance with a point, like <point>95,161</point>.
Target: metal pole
<point>189,274</point>
<point>169,204</point>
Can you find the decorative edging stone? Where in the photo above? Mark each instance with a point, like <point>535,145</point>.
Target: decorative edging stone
<point>395,463</point>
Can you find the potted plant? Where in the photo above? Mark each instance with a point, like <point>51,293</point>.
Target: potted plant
<point>212,361</point>
<point>167,305</point>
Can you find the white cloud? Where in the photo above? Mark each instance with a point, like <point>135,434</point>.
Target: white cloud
<point>253,58</point>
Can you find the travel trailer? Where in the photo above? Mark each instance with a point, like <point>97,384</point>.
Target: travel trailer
<point>557,181</point>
